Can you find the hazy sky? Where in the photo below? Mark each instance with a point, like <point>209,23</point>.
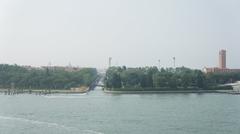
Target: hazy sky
<point>132,32</point>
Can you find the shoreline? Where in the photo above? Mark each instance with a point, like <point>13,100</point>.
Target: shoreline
<point>42,91</point>
<point>172,92</point>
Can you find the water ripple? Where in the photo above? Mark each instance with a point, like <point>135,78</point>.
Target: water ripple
<point>49,124</point>
<point>36,122</point>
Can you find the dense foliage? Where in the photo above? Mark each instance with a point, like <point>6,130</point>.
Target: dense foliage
<point>34,78</point>
<point>152,77</point>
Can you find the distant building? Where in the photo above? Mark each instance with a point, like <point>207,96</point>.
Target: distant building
<point>31,67</point>
<point>219,70</point>
<point>222,65</point>
<point>64,68</point>
<point>222,59</point>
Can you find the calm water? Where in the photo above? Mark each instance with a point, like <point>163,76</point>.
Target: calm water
<point>99,113</point>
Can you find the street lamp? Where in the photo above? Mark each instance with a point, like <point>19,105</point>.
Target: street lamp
<point>109,61</point>
<point>174,62</point>
<point>159,64</point>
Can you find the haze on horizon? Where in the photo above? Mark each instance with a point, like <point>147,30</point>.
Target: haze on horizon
<point>132,32</point>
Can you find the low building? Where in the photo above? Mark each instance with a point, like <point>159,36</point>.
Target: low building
<point>219,70</point>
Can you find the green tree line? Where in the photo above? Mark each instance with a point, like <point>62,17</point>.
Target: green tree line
<point>152,77</point>
<point>44,78</point>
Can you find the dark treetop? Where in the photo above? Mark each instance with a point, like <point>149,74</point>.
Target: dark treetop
<point>44,78</point>
<point>169,78</point>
